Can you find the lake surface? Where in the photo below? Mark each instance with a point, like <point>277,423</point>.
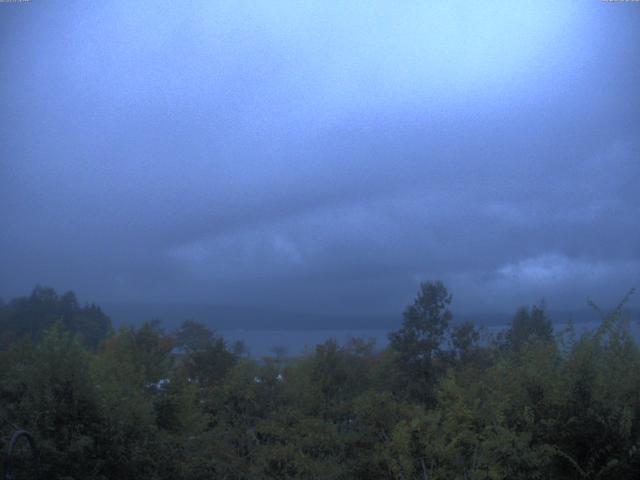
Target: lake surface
<point>262,342</point>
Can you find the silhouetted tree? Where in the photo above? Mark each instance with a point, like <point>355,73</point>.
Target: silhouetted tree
<point>418,344</point>
<point>194,336</point>
<point>31,316</point>
<point>529,324</point>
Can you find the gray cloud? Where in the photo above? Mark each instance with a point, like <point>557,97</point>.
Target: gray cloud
<point>307,156</point>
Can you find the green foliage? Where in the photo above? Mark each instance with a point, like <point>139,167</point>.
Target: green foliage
<point>529,324</point>
<point>193,336</point>
<point>31,316</point>
<point>48,389</point>
<point>434,405</point>
<point>206,360</point>
<point>418,344</point>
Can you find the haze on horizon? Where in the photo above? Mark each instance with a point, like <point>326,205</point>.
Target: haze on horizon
<point>320,156</point>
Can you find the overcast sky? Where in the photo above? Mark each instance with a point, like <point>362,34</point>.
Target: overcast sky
<point>321,156</point>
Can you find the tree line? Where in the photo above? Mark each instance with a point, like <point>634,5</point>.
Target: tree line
<point>440,402</point>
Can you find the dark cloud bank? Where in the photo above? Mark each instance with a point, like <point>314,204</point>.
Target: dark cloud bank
<point>317,158</point>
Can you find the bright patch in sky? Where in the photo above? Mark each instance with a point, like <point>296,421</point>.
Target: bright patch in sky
<point>552,269</point>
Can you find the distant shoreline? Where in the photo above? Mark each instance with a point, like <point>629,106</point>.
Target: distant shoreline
<point>260,342</point>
